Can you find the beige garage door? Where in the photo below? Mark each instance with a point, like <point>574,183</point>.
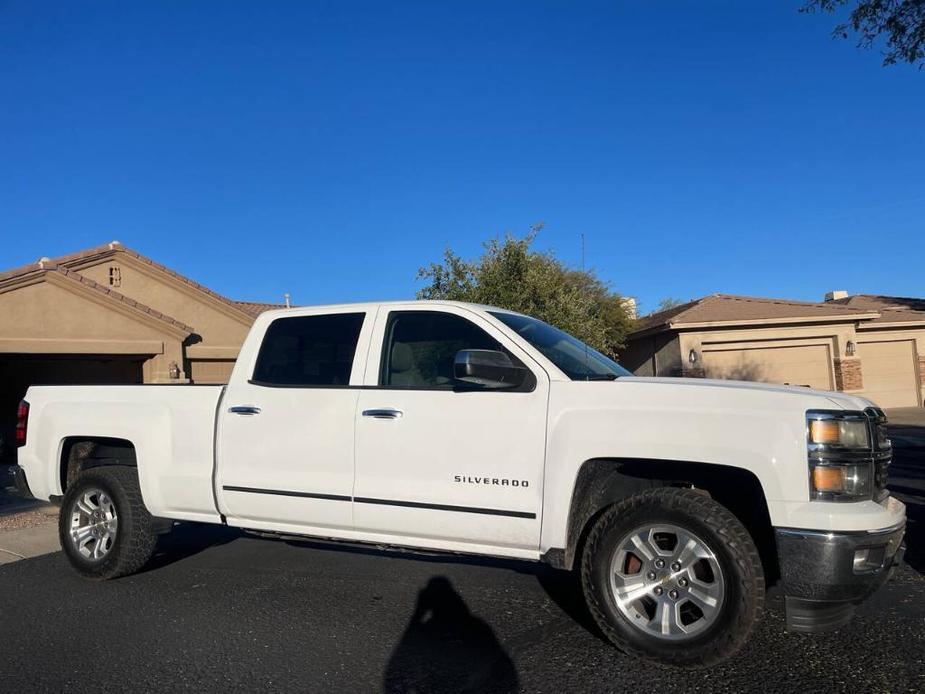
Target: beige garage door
<point>888,370</point>
<point>804,365</point>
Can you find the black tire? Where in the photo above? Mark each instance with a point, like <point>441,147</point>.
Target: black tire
<point>135,538</point>
<point>732,547</point>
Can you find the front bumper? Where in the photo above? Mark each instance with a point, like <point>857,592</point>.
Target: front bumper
<point>18,482</point>
<point>825,574</point>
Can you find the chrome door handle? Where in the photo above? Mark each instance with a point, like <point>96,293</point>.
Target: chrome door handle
<point>244,409</point>
<point>383,413</point>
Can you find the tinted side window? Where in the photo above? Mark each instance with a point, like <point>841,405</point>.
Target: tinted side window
<point>420,347</point>
<point>309,350</point>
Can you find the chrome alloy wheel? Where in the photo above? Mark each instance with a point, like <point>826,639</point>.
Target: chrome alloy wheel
<point>94,524</point>
<point>666,581</point>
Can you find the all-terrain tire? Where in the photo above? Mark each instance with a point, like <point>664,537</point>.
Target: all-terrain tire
<point>735,553</point>
<point>135,538</point>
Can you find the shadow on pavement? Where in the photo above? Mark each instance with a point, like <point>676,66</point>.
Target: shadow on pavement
<point>188,539</point>
<point>564,589</point>
<point>445,648</point>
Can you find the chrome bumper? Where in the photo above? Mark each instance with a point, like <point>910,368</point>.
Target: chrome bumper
<point>826,574</point>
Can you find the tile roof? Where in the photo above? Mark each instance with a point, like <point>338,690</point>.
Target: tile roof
<point>73,276</point>
<point>71,259</point>
<point>255,308</point>
<point>727,307</point>
<point>665,316</point>
<point>893,309</point>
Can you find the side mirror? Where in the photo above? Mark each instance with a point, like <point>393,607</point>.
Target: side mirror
<point>487,368</point>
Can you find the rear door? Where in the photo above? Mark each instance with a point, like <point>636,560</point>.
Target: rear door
<point>442,466</point>
<point>286,429</point>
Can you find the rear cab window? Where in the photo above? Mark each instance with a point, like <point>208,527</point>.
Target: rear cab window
<point>309,351</point>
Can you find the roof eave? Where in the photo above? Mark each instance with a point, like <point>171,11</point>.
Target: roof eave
<point>152,268</point>
<point>914,324</point>
<point>649,331</point>
<point>776,321</point>
<point>114,300</point>
<point>751,322</point>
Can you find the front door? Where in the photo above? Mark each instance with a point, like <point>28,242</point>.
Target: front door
<point>286,431</point>
<point>439,465</point>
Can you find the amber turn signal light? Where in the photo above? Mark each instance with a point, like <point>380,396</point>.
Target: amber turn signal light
<point>824,431</point>
<point>829,479</point>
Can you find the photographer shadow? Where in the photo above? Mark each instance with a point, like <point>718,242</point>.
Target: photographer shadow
<point>445,648</point>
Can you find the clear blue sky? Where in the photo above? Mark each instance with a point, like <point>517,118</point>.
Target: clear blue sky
<point>328,149</point>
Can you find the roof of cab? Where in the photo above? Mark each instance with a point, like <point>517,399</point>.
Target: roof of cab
<point>366,306</point>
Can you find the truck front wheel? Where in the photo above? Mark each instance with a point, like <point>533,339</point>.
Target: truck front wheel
<point>104,527</point>
<point>672,576</point>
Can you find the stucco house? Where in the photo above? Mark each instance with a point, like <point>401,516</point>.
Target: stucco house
<point>865,344</point>
<point>111,315</point>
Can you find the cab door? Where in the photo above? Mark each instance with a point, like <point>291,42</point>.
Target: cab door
<point>439,464</point>
<point>286,426</point>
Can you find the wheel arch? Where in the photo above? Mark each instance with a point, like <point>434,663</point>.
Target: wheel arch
<point>78,453</point>
<point>603,482</point>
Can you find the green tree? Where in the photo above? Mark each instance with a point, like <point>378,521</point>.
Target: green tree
<point>900,22</point>
<point>511,275</point>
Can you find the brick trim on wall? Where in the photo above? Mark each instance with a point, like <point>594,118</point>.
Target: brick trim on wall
<point>848,374</point>
<point>922,370</point>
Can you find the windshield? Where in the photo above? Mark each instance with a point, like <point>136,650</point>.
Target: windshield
<point>578,361</point>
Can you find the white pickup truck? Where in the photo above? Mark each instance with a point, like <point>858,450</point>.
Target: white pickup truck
<point>463,428</point>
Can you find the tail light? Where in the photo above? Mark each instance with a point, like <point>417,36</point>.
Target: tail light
<point>22,422</point>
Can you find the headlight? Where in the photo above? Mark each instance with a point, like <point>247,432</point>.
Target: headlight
<point>839,455</point>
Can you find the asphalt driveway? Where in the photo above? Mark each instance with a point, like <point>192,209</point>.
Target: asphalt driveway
<point>219,610</point>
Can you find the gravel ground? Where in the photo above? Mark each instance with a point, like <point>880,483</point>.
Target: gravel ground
<point>29,519</point>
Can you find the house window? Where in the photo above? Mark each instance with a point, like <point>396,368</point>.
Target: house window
<point>115,277</point>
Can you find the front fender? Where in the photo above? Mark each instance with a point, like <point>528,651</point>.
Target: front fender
<point>763,435</point>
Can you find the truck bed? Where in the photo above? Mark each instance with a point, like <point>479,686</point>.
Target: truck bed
<point>171,426</point>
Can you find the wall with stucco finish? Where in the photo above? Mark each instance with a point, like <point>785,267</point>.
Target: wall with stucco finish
<point>51,316</point>
<point>646,351</point>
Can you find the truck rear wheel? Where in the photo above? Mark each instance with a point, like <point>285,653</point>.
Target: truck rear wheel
<point>104,527</point>
<point>672,576</point>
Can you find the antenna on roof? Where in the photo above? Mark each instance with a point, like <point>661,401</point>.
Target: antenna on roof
<point>587,358</point>
<point>286,297</point>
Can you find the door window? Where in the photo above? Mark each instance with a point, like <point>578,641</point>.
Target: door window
<point>309,351</point>
<point>420,347</point>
